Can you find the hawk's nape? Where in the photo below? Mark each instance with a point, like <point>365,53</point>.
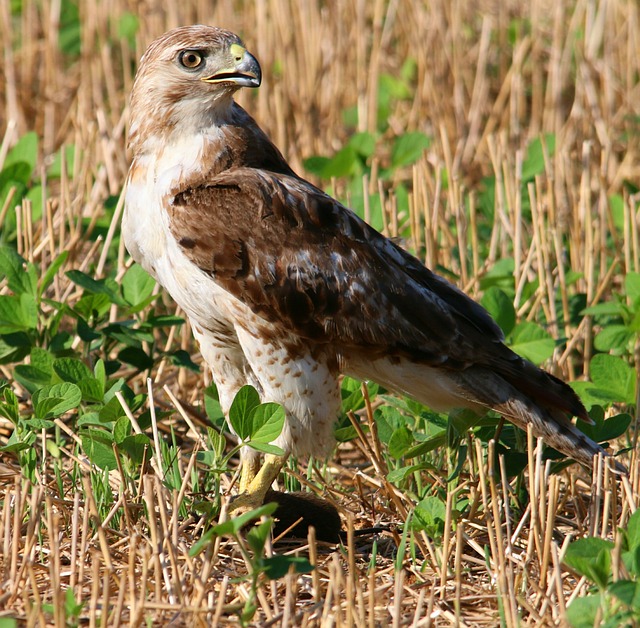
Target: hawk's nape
<point>286,288</point>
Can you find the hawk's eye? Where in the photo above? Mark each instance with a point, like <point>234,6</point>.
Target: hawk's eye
<point>191,59</point>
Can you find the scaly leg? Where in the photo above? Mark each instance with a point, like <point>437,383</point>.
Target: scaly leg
<point>250,468</point>
<point>254,486</point>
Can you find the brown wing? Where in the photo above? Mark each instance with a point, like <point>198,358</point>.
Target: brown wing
<point>297,257</point>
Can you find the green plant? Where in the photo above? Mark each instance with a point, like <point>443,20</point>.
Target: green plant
<point>614,598</point>
<point>260,565</point>
<point>72,609</point>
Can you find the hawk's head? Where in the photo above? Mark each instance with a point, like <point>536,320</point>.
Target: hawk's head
<point>187,77</point>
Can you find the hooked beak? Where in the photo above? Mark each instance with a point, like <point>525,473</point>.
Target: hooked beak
<point>244,72</point>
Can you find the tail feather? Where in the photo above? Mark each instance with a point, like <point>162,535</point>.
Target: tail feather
<point>520,391</point>
<point>545,389</point>
<point>533,402</point>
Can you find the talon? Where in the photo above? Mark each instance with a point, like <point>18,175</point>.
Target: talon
<point>254,485</point>
<point>244,502</point>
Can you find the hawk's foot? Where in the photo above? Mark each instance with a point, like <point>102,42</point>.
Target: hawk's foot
<point>254,486</point>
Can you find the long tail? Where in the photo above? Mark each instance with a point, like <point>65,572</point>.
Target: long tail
<point>527,395</point>
<point>504,382</point>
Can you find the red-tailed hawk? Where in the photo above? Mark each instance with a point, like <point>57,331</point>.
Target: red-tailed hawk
<point>285,287</point>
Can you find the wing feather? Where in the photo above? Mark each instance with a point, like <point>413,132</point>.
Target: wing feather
<point>295,255</point>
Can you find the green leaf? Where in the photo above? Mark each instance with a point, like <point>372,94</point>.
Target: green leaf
<point>241,411</point>
<point>627,591</point>
<point>18,313</point>
<point>91,389</point>
<point>71,370</point>
<point>398,475</point>
<point>363,143</point>
<point>52,271</point>
<point>9,407</point>
<point>107,287</point>
<point>592,396</point>
<point>52,401</point>
<point>42,359</point>
<point>614,375</point>
<point>316,164</point>
<point>19,442</point>
<point>14,176</point>
<point>501,274</point>
<point>400,441</point>
<point>121,429</point>
<point>632,286</point>
<point>609,308</point>
<point>25,151</point>
<point>182,359</point>
<point>267,423</point>
<point>69,38</point>
<point>212,404</point>
<point>591,557</point>
<point>39,424</point>
<point>392,86</point>
<point>55,169</point>
<point>433,442</point>
<point>111,411</point>
<point>99,372</point>
<point>633,532</point>
<point>135,446</point>
<point>128,26</point>
<point>258,535</point>
<point>126,333</point>
<point>342,164</point>
<point>351,393</point>
<point>500,306</point>
<point>631,560</point>
<point>430,515</point>
<point>217,442</point>
<point>533,163</point>
<point>72,607</point>
<point>265,448</point>
<point>136,357</point>
<point>583,611</point>
<point>98,446</point>
<point>34,196</point>
<point>91,306</point>
<point>31,377</point>
<point>76,372</point>
<point>616,203</point>
<point>388,419</point>
<point>164,320</point>
<point>614,427</point>
<point>232,526</point>
<point>614,338</point>
<point>278,566</point>
<point>137,287</point>
<point>14,347</point>
<point>532,342</point>
<point>408,148</point>
<point>21,275</point>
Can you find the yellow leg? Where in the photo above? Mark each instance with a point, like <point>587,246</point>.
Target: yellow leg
<point>250,468</point>
<point>254,486</point>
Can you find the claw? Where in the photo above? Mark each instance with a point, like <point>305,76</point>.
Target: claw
<point>254,486</point>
